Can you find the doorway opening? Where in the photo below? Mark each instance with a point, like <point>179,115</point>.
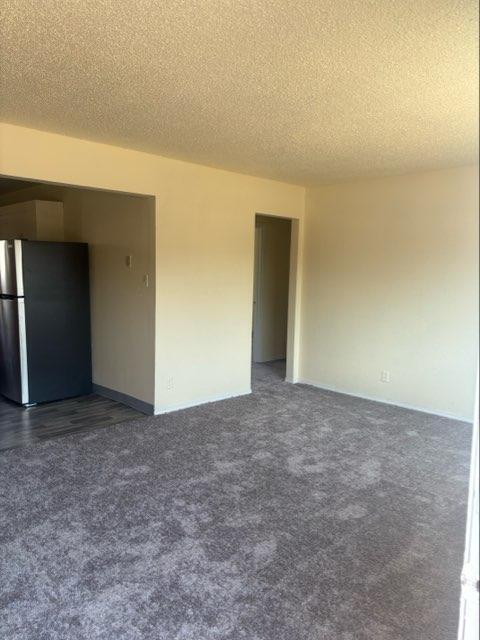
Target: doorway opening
<point>271,295</point>
<point>114,342</point>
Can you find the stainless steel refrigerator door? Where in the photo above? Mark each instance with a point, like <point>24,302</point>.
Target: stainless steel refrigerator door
<point>13,350</point>
<point>11,268</point>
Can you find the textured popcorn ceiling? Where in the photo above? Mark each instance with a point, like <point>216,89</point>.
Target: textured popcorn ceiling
<point>306,91</point>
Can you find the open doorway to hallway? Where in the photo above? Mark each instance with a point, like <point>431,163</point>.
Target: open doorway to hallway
<point>270,297</point>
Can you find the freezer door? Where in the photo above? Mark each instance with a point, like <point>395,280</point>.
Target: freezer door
<point>11,268</point>
<point>13,350</point>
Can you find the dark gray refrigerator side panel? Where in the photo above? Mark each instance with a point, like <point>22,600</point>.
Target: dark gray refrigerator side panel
<point>57,319</point>
<point>13,357</point>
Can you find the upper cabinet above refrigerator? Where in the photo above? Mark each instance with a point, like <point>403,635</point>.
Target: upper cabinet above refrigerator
<point>32,220</point>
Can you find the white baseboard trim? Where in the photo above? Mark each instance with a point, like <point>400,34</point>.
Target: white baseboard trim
<point>197,403</point>
<point>327,387</point>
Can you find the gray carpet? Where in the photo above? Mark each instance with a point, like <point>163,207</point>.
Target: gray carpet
<point>290,514</point>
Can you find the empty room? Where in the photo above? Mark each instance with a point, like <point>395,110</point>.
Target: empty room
<point>239,282</point>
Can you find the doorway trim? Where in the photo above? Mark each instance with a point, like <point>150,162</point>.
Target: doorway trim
<point>294,293</point>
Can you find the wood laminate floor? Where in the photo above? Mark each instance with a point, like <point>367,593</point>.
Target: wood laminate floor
<point>20,427</point>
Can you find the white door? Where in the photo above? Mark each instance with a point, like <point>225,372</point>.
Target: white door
<point>469,623</point>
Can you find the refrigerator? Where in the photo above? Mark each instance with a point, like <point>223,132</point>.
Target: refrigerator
<point>45,347</point>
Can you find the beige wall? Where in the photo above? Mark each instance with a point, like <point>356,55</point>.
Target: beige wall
<point>389,274</point>
<point>272,262</point>
<point>122,308</point>
<point>205,220</point>
<point>391,284</point>
<point>205,256</point>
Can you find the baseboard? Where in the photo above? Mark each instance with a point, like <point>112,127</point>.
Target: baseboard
<point>118,396</point>
<point>148,409</point>
<point>326,387</point>
<point>197,403</point>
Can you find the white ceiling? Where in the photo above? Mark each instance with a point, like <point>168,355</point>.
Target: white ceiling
<point>306,91</point>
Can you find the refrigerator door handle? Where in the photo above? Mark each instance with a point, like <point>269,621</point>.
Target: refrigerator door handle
<point>22,332</point>
<point>14,379</point>
<point>11,268</point>
<point>19,267</point>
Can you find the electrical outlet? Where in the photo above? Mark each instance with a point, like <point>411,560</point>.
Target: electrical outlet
<point>169,384</point>
<point>128,262</point>
<point>145,280</point>
<point>385,376</point>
